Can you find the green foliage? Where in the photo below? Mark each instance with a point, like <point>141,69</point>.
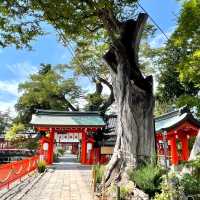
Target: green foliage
<point>190,101</point>
<point>14,129</point>
<point>191,184</point>
<point>179,60</point>
<point>99,171</point>
<point>55,157</point>
<point>25,143</point>
<point>46,89</point>
<point>41,165</point>
<point>22,21</point>
<point>195,167</point>
<point>170,188</point>
<point>94,101</point>
<point>175,186</point>
<point>124,192</point>
<point>147,178</point>
<point>60,151</point>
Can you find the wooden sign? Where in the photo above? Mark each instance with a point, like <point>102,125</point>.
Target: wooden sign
<point>107,150</point>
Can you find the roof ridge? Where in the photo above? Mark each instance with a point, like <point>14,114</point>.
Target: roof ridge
<point>60,112</point>
<point>180,111</point>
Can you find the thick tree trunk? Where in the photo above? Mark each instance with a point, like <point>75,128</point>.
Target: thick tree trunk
<point>196,148</point>
<point>134,99</point>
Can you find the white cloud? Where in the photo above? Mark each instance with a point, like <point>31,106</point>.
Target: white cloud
<point>10,87</point>
<point>22,70</point>
<point>8,106</point>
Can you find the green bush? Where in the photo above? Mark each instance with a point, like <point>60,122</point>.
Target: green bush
<point>170,188</point>
<point>41,165</point>
<point>147,178</point>
<point>99,171</point>
<point>61,151</point>
<point>195,166</point>
<point>55,157</point>
<point>124,192</point>
<point>190,184</point>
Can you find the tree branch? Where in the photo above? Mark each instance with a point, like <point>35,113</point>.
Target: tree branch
<point>110,99</point>
<point>137,34</point>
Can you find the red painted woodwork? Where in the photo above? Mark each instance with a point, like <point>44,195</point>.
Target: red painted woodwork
<point>51,146</point>
<point>174,152</point>
<point>84,147</point>
<point>13,171</point>
<point>185,149</point>
<point>182,132</point>
<point>90,157</point>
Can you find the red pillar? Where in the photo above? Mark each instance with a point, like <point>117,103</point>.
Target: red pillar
<point>84,147</point>
<point>51,145</point>
<point>174,152</point>
<point>92,155</point>
<point>185,150</point>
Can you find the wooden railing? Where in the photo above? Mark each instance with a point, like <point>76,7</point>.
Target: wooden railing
<point>16,170</point>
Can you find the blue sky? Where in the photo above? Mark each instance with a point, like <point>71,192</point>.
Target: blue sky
<point>16,65</point>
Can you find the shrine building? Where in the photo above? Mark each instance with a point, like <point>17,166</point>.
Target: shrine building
<point>68,129</point>
<point>178,130</point>
<point>175,133</point>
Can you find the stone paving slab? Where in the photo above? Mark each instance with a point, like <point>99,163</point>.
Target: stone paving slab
<point>65,181</point>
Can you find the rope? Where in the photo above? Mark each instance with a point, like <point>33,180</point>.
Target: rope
<point>154,22</point>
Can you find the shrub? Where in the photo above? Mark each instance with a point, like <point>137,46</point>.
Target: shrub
<point>190,184</point>
<point>61,151</point>
<point>124,192</point>
<point>171,188</point>
<point>41,165</point>
<point>99,170</point>
<point>195,166</point>
<point>147,178</point>
<point>55,157</point>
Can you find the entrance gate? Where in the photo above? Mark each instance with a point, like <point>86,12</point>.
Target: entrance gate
<point>88,153</point>
<point>69,128</point>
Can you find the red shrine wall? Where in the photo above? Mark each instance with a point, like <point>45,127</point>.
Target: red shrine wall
<point>178,143</point>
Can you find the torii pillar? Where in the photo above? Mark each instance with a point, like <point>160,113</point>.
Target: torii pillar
<point>51,146</point>
<point>84,147</point>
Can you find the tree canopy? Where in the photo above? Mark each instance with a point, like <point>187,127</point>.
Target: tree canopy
<point>179,60</point>
<point>46,89</point>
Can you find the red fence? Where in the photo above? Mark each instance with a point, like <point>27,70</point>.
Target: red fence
<point>16,170</point>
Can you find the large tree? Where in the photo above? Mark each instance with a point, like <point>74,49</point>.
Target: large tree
<point>180,59</point>
<point>46,89</point>
<point>76,19</point>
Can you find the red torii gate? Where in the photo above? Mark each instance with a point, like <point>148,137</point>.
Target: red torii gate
<point>59,122</point>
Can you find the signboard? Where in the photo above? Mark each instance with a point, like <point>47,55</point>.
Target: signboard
<point>107,150</point>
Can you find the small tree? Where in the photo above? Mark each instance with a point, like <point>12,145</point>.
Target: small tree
<point>14,129</point>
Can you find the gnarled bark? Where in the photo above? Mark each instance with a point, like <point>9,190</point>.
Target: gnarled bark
<point>133,96</point>
<point>196,148</point>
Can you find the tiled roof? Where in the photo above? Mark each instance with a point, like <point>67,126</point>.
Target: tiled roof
<point>174,118</point>
<point>63,118</point>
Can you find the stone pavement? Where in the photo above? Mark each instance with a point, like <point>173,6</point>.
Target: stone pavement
<point>66,180</point>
